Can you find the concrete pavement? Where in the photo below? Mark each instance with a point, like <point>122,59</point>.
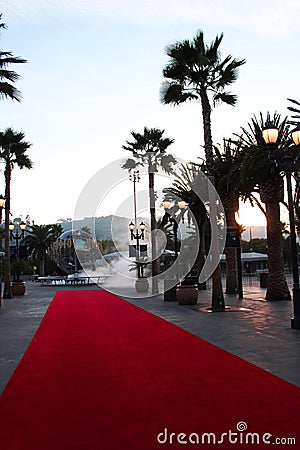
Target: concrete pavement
<point>253,329</point>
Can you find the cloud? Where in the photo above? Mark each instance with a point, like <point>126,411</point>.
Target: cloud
<point>271,17</point>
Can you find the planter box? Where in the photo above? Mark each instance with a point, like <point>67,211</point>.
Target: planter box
<point>187,294</point>
<point>142,285</point>
<point>18,288</point>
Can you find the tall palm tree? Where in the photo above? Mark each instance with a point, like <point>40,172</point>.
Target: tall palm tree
<point>225,158</point>
<point>231,186</point>
<point>196,72</point>
<point>8,77</point>
<point>260,176</point>
<point>38,241</point>
<point>149,149</point>
<point>13,149</point>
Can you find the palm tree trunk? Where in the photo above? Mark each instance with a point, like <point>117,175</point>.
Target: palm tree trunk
<point>231,206</point>
<point>42,266</point>
<point>206,116</point>
<point>7,283</point>
<point>154,262</point>
<point>277,288</point>
<point>231,270</point>
<point>199,213</point>
<point>218,303</point>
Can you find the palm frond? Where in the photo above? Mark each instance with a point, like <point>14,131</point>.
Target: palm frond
<point>255,168</point>
<point>13,149</point>
<point>2,25</point>
<point>198,42</point>
<point>130,164</point>
<point>225,97</point>
<point>9,91</point>
<point>212,51</point>
<point>149,148</point>
<point>8,75</point>
<point>7,58</point>
<point>194,67</point>
<point>175,93</point>
<point>23,161</point>
<point>296,110</point>
<point>294,101</point>
<point>167,162</point>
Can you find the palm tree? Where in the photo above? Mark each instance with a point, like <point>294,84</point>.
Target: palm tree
<point>8,77</point>
<point>163,224</point>
<point>38,241</point>
<point>226,157</point>
<point>57,230</point>
<point>149,149</point>
<point>183,187</point>
<point>13,149</point>
<point>262,177</point>
<point>197,72</point>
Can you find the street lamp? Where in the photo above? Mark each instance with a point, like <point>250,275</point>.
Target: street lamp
<point>134,176</point>
<point>17,236</point>
<point>134,233</point>
<point>167,217</point>
<point>170,291</point>
<point>296,134</point>
<point>288,165</point>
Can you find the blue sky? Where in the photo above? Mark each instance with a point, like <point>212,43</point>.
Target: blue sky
<point>94,71</point>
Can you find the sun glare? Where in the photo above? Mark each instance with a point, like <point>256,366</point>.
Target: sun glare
<point>250,216</point>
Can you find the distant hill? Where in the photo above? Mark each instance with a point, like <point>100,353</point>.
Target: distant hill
<point>104,226</point>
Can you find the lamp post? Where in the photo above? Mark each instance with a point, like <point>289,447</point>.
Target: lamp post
<point>134,233</point>
<point>170,286</point>
<point>288,165</point>
<point>167,217</point>
<point>134,176</point>
<point>17,236</point>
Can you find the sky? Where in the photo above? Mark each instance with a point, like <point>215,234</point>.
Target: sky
<point>94,73</point>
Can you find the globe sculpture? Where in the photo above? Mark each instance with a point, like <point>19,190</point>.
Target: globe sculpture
<point>74,250</point>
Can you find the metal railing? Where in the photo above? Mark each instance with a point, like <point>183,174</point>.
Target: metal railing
<point>252,279</point>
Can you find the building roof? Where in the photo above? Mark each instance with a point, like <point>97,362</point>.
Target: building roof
<point>250,257</point>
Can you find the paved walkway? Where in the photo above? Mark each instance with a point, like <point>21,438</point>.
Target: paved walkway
<point>254,329</point>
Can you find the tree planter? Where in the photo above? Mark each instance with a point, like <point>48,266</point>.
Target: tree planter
<point>187,294</point>
<point>18,288</point>
<point>142,285</point>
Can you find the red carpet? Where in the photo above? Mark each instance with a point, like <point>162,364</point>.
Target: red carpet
<point>103,374</point>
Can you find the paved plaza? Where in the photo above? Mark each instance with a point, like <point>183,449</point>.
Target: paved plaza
<point>253,329</point>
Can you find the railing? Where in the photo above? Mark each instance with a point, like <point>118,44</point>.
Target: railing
<point>64,280</point>
<point>252,279</point>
